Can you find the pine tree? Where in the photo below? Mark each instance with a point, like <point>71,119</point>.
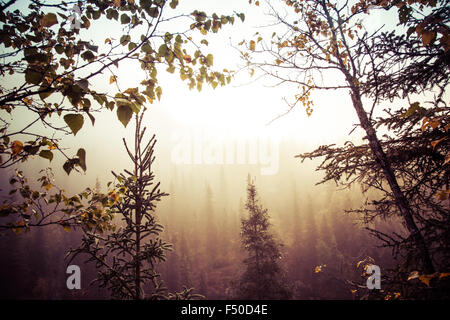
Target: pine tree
<point>127,258</point>
<point>263,277</point>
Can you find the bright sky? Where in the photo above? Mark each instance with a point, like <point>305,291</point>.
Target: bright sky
<point>240,110</point>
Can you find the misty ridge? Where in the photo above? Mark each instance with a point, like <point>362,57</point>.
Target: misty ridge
<point>202,219</point>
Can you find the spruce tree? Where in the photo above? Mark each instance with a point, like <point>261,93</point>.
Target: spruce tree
<point>263,277</point>
<point>127,257</point>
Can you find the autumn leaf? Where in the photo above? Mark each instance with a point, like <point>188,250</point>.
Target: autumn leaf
<point>28,101</point>
<point>252,45</point>
<point>443,195</point>
<point>19,227</point>
<point>49,19</point>
<point>66,227</point>
<point>436,142</point>
<point>187,58</point>
<point>426,278</point>
<point>428,37</point>
<point>447,159</point>
<point>16,147</point>
<point>413,275</point>
<point>112,79</point>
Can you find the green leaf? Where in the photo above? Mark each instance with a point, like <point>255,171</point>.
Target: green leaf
<point>209,59</point>
<point>88,56</point>
<point>81,153</point>
<point>44,95</point>
<point>74,121</point>
<point>46,154</point>
<point>158,92</point>
<point>414,107</point>
<point>33,77</point>
<point>124,19</point>
<point>162,51</point>
<point>31,149</point>
<point>49,19</point>
<point>92,118</point>
<point>147,48</point>
<point>132,46</point>
<point>59,49</point>
<point>173,4</point>
<point>68,166</point>
<point>153,12</point>
<point>124,113</point>
<point>37,57</point>
<point>125,39</point>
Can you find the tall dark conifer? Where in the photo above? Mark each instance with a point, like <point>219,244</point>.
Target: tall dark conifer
<point>263,277</point>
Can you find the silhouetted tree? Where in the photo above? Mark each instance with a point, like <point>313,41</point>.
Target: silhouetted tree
<point>263,277</point>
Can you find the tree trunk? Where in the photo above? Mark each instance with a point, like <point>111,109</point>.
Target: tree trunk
<point>400,200</point>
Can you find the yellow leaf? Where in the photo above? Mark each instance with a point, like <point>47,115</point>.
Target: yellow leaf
<point>112,79</point>
<point>426,278</point>
<point>252,45</point>
<point>444,275</point>
<point>108,40</point>
<point>17,230</point>
<point>66,227</point>
<point>28,101</point>
<point>318,269</point>
<point>48,186</point>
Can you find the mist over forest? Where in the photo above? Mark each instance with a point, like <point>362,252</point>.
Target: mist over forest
<point>224,150</point>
